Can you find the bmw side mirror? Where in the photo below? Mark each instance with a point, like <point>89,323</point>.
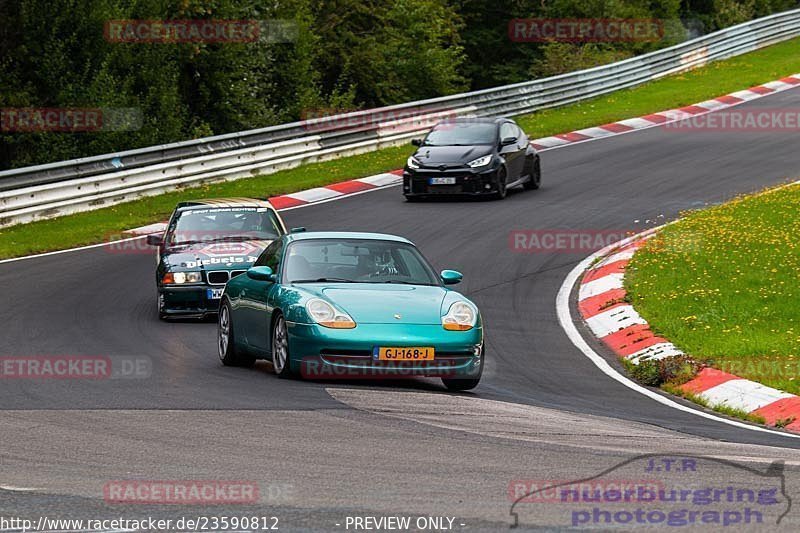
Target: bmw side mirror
<point>451,277</point>
<point>416,142</point>
<point>508,141</point>
<point>155,239</point>
<point>299,229</point>
<point>261,273</point>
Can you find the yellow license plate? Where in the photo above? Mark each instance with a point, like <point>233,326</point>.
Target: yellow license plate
<point>413,353</point>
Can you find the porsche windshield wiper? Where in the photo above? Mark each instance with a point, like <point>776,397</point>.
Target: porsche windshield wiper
<point>324,280</point>
<point>401,282</point>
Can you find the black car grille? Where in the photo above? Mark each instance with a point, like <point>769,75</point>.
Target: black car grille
<point>221,277</point>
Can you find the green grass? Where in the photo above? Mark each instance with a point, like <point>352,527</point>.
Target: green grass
<point>714,80</point>
<point>722,284</point>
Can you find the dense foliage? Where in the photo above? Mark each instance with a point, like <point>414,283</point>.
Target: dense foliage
<point>343,54</point>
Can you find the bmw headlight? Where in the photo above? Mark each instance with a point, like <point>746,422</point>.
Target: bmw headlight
<point>179,278</point>
<point>412,163</point>
<point>326,315</point>
<point>460,317</point>
<point>480,162</point>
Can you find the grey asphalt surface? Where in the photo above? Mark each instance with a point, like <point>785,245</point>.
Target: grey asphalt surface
<point>341,446</point>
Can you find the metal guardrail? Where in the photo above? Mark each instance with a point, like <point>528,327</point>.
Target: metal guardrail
<point>45,191</point>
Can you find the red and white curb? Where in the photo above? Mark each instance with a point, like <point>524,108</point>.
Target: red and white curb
<point>601,302</point>
<point>336,191</point>
<point>666,117</point>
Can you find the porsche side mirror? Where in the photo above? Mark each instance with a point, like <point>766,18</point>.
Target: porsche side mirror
<point>154,239</point>
<point>261,273</point>
<point>451,277</point>
<point>416,142</point>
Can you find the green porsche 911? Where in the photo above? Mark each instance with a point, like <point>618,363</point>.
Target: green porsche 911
<point>330,305</point>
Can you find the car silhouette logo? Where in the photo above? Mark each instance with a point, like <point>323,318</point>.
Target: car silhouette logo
<point>398,317</point>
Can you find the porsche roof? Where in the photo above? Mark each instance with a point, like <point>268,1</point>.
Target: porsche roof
<point>344,235</point>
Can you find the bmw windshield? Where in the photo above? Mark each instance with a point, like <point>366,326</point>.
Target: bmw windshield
<point>356,261</point>
<point>224,224</point>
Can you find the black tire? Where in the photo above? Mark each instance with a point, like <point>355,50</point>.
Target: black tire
<point>226,345</point>
<point>281,362</point>
<point>159,305</point>
<point>535,176</point>
<point>502,179</point>
<point>413,199</point>
<point>460,385</point>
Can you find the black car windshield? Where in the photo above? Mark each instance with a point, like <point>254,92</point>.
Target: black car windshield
<point>461,134</point>
<point>356,261</point>
<point>224,224</point>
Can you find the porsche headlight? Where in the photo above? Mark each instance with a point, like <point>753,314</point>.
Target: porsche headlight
<point>412,163</point>
<point>460,317</point>
<point>179,278</point>
<point>480,162</point>
<point>326,315</point>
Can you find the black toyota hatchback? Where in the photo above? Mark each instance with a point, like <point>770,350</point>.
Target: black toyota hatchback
<point>471,156</point>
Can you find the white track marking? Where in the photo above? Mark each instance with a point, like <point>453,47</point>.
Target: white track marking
<point>565,320</point>
<point>615,319</point>
<point>746,95</point>
<point>595,132</point>
<point>600,285</point>
<point>662,350</point>
<point>381,180</point>
<point>314,195</point>
<point>637,123</point>
<point>743,394</point>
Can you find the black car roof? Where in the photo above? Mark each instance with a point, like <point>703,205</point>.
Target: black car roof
<point>483,120</point>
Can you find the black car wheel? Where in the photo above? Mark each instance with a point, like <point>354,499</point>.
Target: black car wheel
<point>281,363</point>
<point>459,385</point>
<point>412,199</point>
<point>501,184</point>
<point>534,175</point>
<point>226,347</point>
<point>160,304</point>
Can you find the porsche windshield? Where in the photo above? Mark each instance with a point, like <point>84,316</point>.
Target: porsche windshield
<point>224,224</point>
<point>356,261</point>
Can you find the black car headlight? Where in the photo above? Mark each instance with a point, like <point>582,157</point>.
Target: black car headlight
<point>480,162</point>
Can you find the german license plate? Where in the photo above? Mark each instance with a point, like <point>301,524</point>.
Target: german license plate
<point>413,353</point>
<point>214,294</point>
<point>442,181</point>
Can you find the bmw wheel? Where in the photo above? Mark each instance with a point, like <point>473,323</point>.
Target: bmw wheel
<point>280,349</point>
<point>226,347</point>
